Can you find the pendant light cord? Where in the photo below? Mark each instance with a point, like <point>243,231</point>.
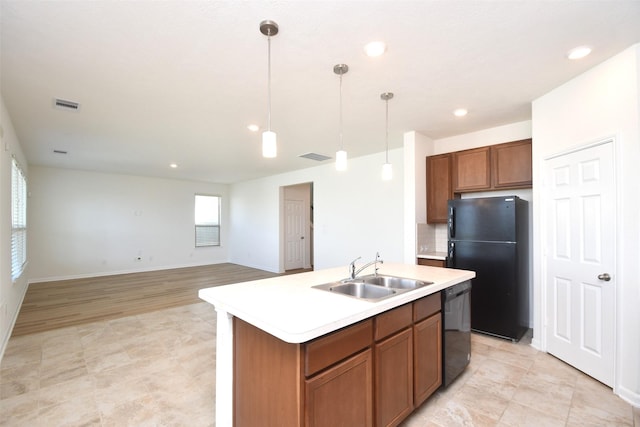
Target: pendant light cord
<point>269,80</point>
<point>387,129</point>
<point>341,143</point>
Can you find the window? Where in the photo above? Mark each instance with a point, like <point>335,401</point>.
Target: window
<point>207,220</point>
<point>18,220</point>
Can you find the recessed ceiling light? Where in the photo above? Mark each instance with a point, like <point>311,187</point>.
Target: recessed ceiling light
<point>579,52</point>
<point>460,112</point>
<point>173,165</point>
<point>253,128</point>
<point>375,48</point>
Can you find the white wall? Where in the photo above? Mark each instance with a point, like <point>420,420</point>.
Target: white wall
<point>416,148</point>
<point>87,224</point>
<point>11,294</point>
<point>355,214</point>
<point>496,135</point>
<point>601,103</point>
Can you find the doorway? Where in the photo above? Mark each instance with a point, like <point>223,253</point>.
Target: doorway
<point>579,258</point>
<point>297,227</point>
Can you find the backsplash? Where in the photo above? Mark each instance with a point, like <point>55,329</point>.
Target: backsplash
<point>425,238</point>
<point>431,238</point>
<point>441,237</point>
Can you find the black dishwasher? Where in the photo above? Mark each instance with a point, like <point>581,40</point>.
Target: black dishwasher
<point>456,337</point>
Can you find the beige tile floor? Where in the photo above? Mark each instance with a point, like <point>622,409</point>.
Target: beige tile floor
<point>157,369</point>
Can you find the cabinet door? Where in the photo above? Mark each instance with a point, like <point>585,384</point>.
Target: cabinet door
<point>439,188</point>
<point>342,395</point>
<point>427,348</point>
<point>512,164</point>
<point>472,170</point>
<point>394,378</point>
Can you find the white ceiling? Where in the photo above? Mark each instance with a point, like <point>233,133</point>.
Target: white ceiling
<point>179,81</point>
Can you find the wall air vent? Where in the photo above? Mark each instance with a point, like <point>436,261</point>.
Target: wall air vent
<point>315,156</point>
<point>63,104</point>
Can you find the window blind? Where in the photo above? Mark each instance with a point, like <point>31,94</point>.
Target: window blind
<point>18,220</point>
<point>207,220</point>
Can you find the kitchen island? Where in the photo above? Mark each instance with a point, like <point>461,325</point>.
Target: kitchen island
<point>286,312</point>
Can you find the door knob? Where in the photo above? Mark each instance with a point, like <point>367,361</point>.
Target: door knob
<point>604,276</point>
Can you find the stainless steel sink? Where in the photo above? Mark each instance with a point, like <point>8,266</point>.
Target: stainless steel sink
<point>373,287</point>
<point>393,282</point>
<point>359,290</point>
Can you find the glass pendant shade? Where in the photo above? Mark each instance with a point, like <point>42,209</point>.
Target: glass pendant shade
<point>387,172</point>
<point>341,160</point>
<point>269,147</point>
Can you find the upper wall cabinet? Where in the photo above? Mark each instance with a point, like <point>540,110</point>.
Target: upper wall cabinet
<point>495,167</point>
<point>511,164</point>
<point>472,170</point>
<point>439,188</point>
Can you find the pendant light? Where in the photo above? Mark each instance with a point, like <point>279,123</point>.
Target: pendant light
<point>269,147</point>
<point>341,154</point>
<point>387,170</point>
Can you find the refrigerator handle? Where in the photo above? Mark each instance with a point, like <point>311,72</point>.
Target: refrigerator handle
<point>450,254</point>
<point>451,222</point>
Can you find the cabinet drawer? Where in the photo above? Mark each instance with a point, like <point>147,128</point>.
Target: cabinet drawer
<point>327,350</point>
<point>432,262</point>
<point>392,321</point>
<point>426,306</point>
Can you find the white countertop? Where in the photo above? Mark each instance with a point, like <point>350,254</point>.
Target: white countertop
<point>288,308</point>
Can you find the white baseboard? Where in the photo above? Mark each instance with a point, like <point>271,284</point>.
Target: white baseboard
<point>114,273</point>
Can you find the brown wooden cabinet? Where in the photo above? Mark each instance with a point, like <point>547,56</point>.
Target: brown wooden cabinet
<point>364,374</point>
<point>511,165</point>
<point>472,170</point>
<point>431,262</point>
<point>394,378</point>
<point>427,347</point>
<point>342,395</point>
<point>494,167</point>
<point>439,187</point>
<point>394,365</point>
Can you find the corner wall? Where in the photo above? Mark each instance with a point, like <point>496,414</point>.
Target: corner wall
<point>601,103</point>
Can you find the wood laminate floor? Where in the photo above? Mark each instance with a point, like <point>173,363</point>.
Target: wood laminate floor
<point>58,304</point>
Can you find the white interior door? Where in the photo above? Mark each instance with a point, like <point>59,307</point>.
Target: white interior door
<point>294,234</point>
<point>579,201</point>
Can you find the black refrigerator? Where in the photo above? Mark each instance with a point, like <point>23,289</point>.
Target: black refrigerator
<point>490,236</point>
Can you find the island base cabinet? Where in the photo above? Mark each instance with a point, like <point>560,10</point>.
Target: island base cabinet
<point>394,379</point>
<point>372,373</point>
<point>342,395</point>
<point>427,336</point>
<point>267,376</point>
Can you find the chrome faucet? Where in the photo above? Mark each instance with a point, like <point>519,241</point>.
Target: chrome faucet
<point>353,273</point>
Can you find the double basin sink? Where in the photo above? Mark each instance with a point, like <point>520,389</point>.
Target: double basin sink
<point>373,287</point>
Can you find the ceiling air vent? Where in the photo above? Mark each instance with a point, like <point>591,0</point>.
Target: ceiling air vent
<point>63,104</point>
<point>315,156</point>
